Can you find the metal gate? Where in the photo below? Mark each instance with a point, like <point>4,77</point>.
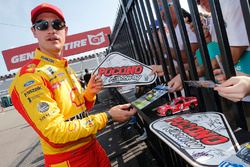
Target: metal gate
<point>139,32</point>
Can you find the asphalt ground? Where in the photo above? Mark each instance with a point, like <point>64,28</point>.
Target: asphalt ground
<point>20,145</point>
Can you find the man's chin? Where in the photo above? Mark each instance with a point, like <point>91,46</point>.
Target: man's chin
<point>56,48</point>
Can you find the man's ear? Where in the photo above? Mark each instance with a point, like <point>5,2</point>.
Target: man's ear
<point>33,31</point>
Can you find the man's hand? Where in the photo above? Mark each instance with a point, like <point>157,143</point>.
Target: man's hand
<point>219,76</point>
<point>234,88</point>
<point>175,84</point>
<point>122,113</point>
<point>95,85</point>
<point>158,70</point>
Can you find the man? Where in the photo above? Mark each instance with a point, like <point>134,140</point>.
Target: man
<point>235,88</point>
<point>47,94</point>
<point>191,35</point>
<point>238,41</point>
<point>87,76</point>
<point>82,82</point>
<point>176,83</point>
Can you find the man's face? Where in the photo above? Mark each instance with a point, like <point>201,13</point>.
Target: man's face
<point>50,40</point>
<point>205,5</point>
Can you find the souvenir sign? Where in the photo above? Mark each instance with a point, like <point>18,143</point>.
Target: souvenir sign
<point>150,97</point>
<point>202,139</point>
<point>241,159</point>
<point>234,161</point>
<point>119,70</point>
<point>204,84</point>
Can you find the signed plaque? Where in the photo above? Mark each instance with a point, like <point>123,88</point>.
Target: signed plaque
<point>120,70</point>
<point>202,139</point>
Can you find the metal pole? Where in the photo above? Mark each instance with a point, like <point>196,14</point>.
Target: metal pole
<point>245,6</point>
<point>203,48</point>
<point>139,32</point>
<point>175,46</point>
<point>226,55</point>
<point>129,29</point>
<point>144,32</point>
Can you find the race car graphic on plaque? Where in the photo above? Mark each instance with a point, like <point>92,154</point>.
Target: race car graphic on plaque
<point>120,70</point>
<point>202,139</point>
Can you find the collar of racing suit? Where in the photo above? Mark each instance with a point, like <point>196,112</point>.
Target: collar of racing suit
<point>50,60</point>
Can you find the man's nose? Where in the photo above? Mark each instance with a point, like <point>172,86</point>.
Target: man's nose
<point>51,29</point>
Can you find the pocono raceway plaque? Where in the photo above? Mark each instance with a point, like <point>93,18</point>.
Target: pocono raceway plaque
<point>202,139</point>
<point>120,70</point>
<point>240,159</point>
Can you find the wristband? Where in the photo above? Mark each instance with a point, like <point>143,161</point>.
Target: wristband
<point>110,120</point>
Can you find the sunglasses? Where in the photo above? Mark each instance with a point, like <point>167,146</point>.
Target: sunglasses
<point>43,25</point>
<point>169,4</point>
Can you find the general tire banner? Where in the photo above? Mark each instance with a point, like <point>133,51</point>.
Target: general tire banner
<point>202,139</point>
<point>120,70</point>
<point>75,44</point>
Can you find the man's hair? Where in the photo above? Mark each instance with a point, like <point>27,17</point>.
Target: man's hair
<point>186,14</point>
<point>86,70</point>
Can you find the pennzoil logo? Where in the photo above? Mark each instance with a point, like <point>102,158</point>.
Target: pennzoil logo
<point>32,90</point>
<point>42,107</point>
<point>124,70</point>
<point>205,136</point>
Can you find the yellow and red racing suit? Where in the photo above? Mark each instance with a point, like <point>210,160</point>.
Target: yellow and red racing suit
<point>46,92</point>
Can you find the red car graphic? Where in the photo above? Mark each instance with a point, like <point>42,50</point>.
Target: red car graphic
<point>177,105</point>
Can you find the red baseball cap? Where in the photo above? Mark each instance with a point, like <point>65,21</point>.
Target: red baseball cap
<point>45,7</point>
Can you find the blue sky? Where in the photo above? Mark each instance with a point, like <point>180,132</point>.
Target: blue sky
<point>81,15</point>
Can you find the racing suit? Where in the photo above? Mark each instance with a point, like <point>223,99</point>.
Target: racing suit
<point>46,92</point>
